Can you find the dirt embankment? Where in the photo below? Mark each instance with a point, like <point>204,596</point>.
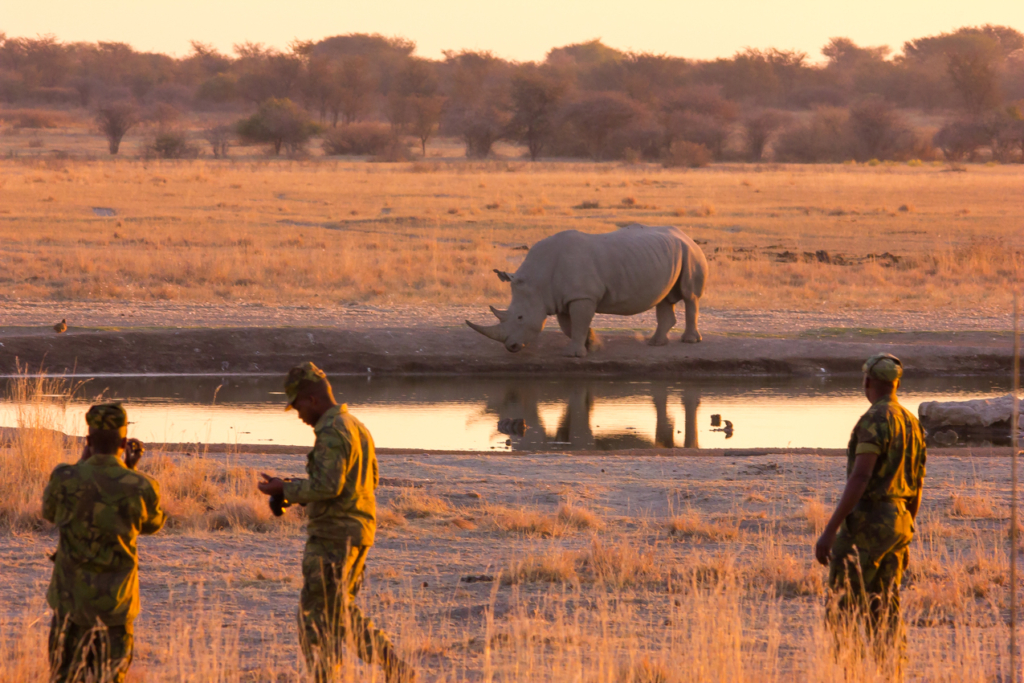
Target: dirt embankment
<point>403,350</point>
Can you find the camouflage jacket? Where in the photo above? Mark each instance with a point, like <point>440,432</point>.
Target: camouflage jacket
<point>340,494</point>
<point>891,432</point>
<point>100,507</point>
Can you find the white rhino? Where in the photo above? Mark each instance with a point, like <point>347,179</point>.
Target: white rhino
<point>573,275</point>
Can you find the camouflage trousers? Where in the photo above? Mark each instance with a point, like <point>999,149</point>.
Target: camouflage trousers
<point>869,557</point>
<point>89,654</point>
<point>329,619</point>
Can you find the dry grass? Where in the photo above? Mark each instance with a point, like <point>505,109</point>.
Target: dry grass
<point>279,233</point>
<point>973,507</point>
<point>693,524</point>
<point>816,515</point>
<point>523,521</point>
<point>415,504</point>
<point>29,452</point>
<point>576,517</point>
<point>199,494</point>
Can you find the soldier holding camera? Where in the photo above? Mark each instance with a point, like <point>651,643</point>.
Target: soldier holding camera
<point>100,505</point>
<point>340,501</point>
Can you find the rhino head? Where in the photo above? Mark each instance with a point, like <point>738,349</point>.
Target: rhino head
<point>522,323</point>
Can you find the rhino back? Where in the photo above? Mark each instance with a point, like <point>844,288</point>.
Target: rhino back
<point>626,272</point>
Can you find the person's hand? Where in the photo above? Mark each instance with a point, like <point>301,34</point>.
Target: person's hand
<point>823,548</point>
<point>133,452</point>
<point>272,486</point>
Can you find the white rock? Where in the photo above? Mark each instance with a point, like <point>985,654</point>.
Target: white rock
<point>982,412</point>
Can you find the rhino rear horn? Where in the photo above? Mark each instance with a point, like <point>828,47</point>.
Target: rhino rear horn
<point>491,332</point>
<point>499,314</point>
<point>503,276</point>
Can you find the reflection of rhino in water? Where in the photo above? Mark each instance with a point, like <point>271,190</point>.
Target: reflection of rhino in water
<point>574,429</point>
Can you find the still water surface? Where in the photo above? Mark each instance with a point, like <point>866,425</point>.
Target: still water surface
<point>459,413</point>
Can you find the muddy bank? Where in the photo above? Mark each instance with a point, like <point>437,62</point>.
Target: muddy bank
<point>458,350</point>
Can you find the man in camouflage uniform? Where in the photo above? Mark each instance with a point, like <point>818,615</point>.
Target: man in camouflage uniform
<point>866,542</point>
<point>100,505</point>
<point>340,501</point>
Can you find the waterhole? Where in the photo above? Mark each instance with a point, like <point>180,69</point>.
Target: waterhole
<point>495,414</point>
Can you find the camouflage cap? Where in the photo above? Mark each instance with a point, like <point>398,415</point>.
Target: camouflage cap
<point>307,372</point>
<point>107,416</point>
<point>883,366</point>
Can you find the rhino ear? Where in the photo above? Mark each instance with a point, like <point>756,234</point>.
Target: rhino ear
<point>503,276</point>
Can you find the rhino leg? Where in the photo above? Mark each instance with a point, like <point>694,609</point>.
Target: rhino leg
<point>691,335</point>
<point>565,324</point>
<point>581,314</point>
<point>666,313</point>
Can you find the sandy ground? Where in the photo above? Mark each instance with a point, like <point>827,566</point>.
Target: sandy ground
<point>421,567</point>
<point>173,338</point>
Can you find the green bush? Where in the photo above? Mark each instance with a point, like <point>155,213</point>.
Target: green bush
<point>171,144</point>
<point>281,123</point>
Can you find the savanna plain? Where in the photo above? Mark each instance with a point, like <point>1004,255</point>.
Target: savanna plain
<point>547,567</point>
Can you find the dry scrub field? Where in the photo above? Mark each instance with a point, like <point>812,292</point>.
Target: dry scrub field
<point>529,568</point>
<point>917,237</point>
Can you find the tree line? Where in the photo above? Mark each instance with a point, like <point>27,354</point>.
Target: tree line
<point>361,92</point>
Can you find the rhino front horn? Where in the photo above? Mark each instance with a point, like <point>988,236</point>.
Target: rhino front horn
<point>499,314</point>
<point>493,332</point>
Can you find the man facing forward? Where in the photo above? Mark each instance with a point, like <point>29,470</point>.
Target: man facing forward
<point>100,506</point>
<point>865,543</point>
<point>340,501</point>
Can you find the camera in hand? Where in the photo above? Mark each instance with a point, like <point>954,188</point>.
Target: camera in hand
<point>133,453</point>
<point>278,504</point>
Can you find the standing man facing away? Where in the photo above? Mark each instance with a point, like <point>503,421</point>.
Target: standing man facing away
<point>340,501</point>
<point>100,505</point>
<point>865,543</point>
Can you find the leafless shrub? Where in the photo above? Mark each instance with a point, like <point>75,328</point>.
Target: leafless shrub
<point>358,139</point>
<point>220,138</point>
<point>683,154</point>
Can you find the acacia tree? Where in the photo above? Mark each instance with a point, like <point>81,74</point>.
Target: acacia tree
<point>278,122</point>
<point>479,105</point>
<point>114,120</point>
<point>596,117</point>
<point>424,116</point>
<point>536,96</point>
<point>971,66</point>
<point>355,90</point>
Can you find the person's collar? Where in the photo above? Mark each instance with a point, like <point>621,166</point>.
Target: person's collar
<point>105,459</point>
<point>329,415</point>
<point>888,398</point>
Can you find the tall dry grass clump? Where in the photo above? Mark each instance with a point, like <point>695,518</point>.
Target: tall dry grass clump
<point>199,494</point>
<point>30,451</point>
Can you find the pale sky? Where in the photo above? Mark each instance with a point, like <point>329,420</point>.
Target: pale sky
<point>518,29</point>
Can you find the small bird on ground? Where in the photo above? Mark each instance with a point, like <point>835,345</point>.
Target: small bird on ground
<point>62,326</point>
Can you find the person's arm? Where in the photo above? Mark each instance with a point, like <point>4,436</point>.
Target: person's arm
<point>914,504</point>
<point>328,468</point>
<point>153,515</point>
<point>51,498</point>
<point>863,466</point>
